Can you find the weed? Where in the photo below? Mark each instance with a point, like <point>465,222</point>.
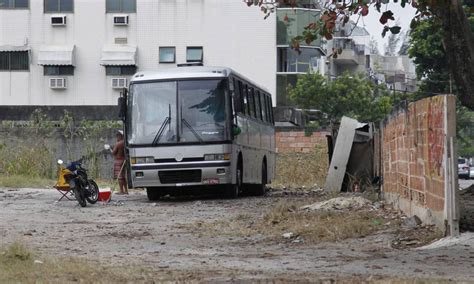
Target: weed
<point>27,161</point>
<point>312,226</point>
<point>296,170</point>
<point>16,252</point>
<point>18,181</point>
<point>18,264</point>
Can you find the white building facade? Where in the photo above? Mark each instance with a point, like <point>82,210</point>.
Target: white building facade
<point>80,52</point>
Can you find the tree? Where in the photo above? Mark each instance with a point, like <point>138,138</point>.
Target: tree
<point>458,37</point>
<point>405,44</point>
<point>428,53</point>
<point>373,46</point>
<point>392,44</point>
<point>350,95</point>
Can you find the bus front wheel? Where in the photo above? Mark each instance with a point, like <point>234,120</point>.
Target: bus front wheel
<point>233,190</point>
<point>154,193</point>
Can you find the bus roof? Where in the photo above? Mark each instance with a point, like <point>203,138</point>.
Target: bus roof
<point>190,72</point>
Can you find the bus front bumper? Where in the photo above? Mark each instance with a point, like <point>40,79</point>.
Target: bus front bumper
<point>181,174</point>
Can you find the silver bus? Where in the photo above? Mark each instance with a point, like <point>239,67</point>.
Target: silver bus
<point>198,126</point>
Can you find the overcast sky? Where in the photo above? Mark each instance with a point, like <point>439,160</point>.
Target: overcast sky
<point>374,27</point>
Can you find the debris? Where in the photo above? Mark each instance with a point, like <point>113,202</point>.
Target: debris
<point>339,203</point>
<point>38,262</point>
<point>412,222</point>
<point>288,235</point>
<point>297,240</point>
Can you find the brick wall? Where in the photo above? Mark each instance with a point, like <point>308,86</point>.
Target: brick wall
<point>299,141</point>
<point>415,157</point>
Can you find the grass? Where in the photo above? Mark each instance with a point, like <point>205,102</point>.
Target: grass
<point>296,170</point>
<point>18,264</point>
<point>19,181</point>
<point>311,226</point>
<point>26,161</point>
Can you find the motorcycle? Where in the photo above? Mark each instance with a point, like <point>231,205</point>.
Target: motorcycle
<point>75,176</point>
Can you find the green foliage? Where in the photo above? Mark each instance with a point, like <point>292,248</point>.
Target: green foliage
<point>428,54</point>
<point>350,95</point>
<point>27,161</point>
<point>465,131</point>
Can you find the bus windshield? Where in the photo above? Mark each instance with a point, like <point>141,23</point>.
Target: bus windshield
<point>191,111</point>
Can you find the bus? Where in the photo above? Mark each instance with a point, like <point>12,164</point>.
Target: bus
<point>198,126</point>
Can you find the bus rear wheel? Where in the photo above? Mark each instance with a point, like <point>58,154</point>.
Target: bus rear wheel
<point>155,193</point>
<point>261,189</point>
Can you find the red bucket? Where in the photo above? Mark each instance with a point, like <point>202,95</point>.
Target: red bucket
<point>104,195</point>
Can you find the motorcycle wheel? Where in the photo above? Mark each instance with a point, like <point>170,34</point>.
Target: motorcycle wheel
<point>93,190</point>
<point>79,196</point>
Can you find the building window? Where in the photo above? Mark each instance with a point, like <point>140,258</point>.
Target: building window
<point>302,61</point>
<point>58,70</point>
<point>282,96</point>
<point>293,22</point>
<point>121,6</point>
<point>194,54</point>
<point>120,70</point>
<point>56,6</point>
<point>14,61</point>
<point>14,4</point>
<point>167,54</point>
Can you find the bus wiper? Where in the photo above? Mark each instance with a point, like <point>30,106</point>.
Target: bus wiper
<point>185,122</point>
<point>162,128</point>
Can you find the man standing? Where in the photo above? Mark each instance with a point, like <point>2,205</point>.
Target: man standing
<point>119,164</point>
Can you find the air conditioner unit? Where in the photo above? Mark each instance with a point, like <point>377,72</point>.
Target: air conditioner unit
<point>119,83</point>
<point>121,20</point>
<point>57,83</point>
<point>58,20</point>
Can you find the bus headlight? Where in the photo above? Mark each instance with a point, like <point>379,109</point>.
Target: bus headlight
<point>142,160</point>
<point>216,157</point>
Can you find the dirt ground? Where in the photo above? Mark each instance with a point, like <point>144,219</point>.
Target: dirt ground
<point>162,236</point>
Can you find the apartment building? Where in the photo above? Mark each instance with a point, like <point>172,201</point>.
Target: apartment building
<point>290,22</point>
<point>82,52</point>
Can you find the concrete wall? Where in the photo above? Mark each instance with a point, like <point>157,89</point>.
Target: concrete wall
<point>230,33</point>
<point>299,140</point>
<point>416,160</point>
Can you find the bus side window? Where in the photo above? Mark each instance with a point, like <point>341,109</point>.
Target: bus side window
<point>258,107</point>
<point>251,102</point>
<point>269,110</point>
<point>245,95</point>
<point>263,103</point>
<point>237,97</point>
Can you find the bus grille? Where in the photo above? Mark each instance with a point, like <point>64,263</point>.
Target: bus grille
<point>167,177</point>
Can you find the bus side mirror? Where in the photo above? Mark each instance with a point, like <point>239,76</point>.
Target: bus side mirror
<point>236,130</point>
<point>122,105</point>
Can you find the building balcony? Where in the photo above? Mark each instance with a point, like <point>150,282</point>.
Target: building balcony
<point>351,52</point>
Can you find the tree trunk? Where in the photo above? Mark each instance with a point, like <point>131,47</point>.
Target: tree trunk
<point>459,44</point>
